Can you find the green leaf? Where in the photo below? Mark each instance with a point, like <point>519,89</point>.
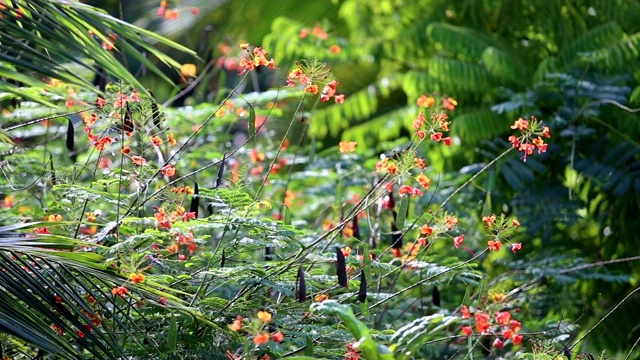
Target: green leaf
<point>402,212</point>
<point>172,338</point>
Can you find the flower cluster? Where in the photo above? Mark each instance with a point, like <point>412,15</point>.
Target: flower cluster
<point>438,121</point>
<point>256,58</point>
<point>319,35</point>
<point>313,74</point>
<point>257,328</point>
<point>496,323</point>
<point>531,136</point>
<point>498,226</point>
<point>172,14</point>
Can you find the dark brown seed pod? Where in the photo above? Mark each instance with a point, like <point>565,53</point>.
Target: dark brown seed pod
<point>435,295</point>
<point>53,171</point>
<point>155,113</point>
<point>302,286</point>
<point>127,122</point>
<point>195,200</point>
<point>341,268</point>
<point>221,171</point>
<point>362,293</point>
<point>71,142</point>
<point>356,227</point>
<point>223,259</point>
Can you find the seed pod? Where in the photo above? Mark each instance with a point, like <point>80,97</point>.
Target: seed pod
<point>195,200</point>
<point>302,285</point>
<point>268,253</point>
<point>356,228</point>
<point>223,259</point>
<point>127,122</point>
<point>341,268</point>
<point>156,115</point>
<point>221,171</point>
<point>70,142</point>
<point>391,203</point>
<point>53,171</point>
<point>362,293</point>
<point>435,295</point>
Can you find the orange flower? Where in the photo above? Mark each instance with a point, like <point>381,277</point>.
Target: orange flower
<point>465,312</point>
<point>125,150</point>
<point>171,14</point>
<point>171,140</point>
<point>120,290</point>
<point>397,253</point>
<point>256,156</point>
<point>156,140</point>
<point>261,338</point>
<point>237,324</point>
<point>423,180</point>
<point>91,119</point>
<point>304,33</point>
<point>264,316</point>
<point>173,248</point>
<point>312,89</point>
<point>335,49</point>
<point>168,170</point>
<point>503,317</point>
<point>90,216</point>
<point>321,34</point>
<point>515,223</point>
<point>520,124</point>
<point>348,146</point>
<point>421,163</point>
<point>278,337</point>
<point>7,202</point>
<point>339,99</point>
<point>425,101</point>
<point>188,70</point>
<point>55,217</point>
<point>494,245</point>
<point>449,103</point>
<point>499,297</point>
<point>346,251</point>
<point>482,322</point>
<point>244,46</point>
<point>321,298</point>
<point>138,160</point>
<point>426,230</point>
<point>136,278</point>
<point>188,190</point>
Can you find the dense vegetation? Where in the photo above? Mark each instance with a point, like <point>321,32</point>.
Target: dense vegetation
<point>347,179</point>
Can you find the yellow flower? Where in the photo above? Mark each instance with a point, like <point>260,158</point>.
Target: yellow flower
<point>264,316</point>
<point>188,70</point>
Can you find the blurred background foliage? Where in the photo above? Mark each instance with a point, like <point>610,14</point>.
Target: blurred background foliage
<point>573,64</point>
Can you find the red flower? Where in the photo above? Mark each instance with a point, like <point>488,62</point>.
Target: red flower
<point>494,245</point>
<point>120,290</point>
<point>339,99</point>
<point>278,337</point>
<point>312,89</point>
<point>138,160</point>
<point>515,325</point>
<point>447,141</point>
<point>188,216</point>
<point>498,344</point>
<point>503,317</point>
<point>466,314</point>
<point>457,241</point>
<point>515,247</point>
<point>482,322</point>
<point>405,190</point>
<point>436,137</point>
<point>517,340</point>
<point>467,330</point>
<point>168,170</point>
